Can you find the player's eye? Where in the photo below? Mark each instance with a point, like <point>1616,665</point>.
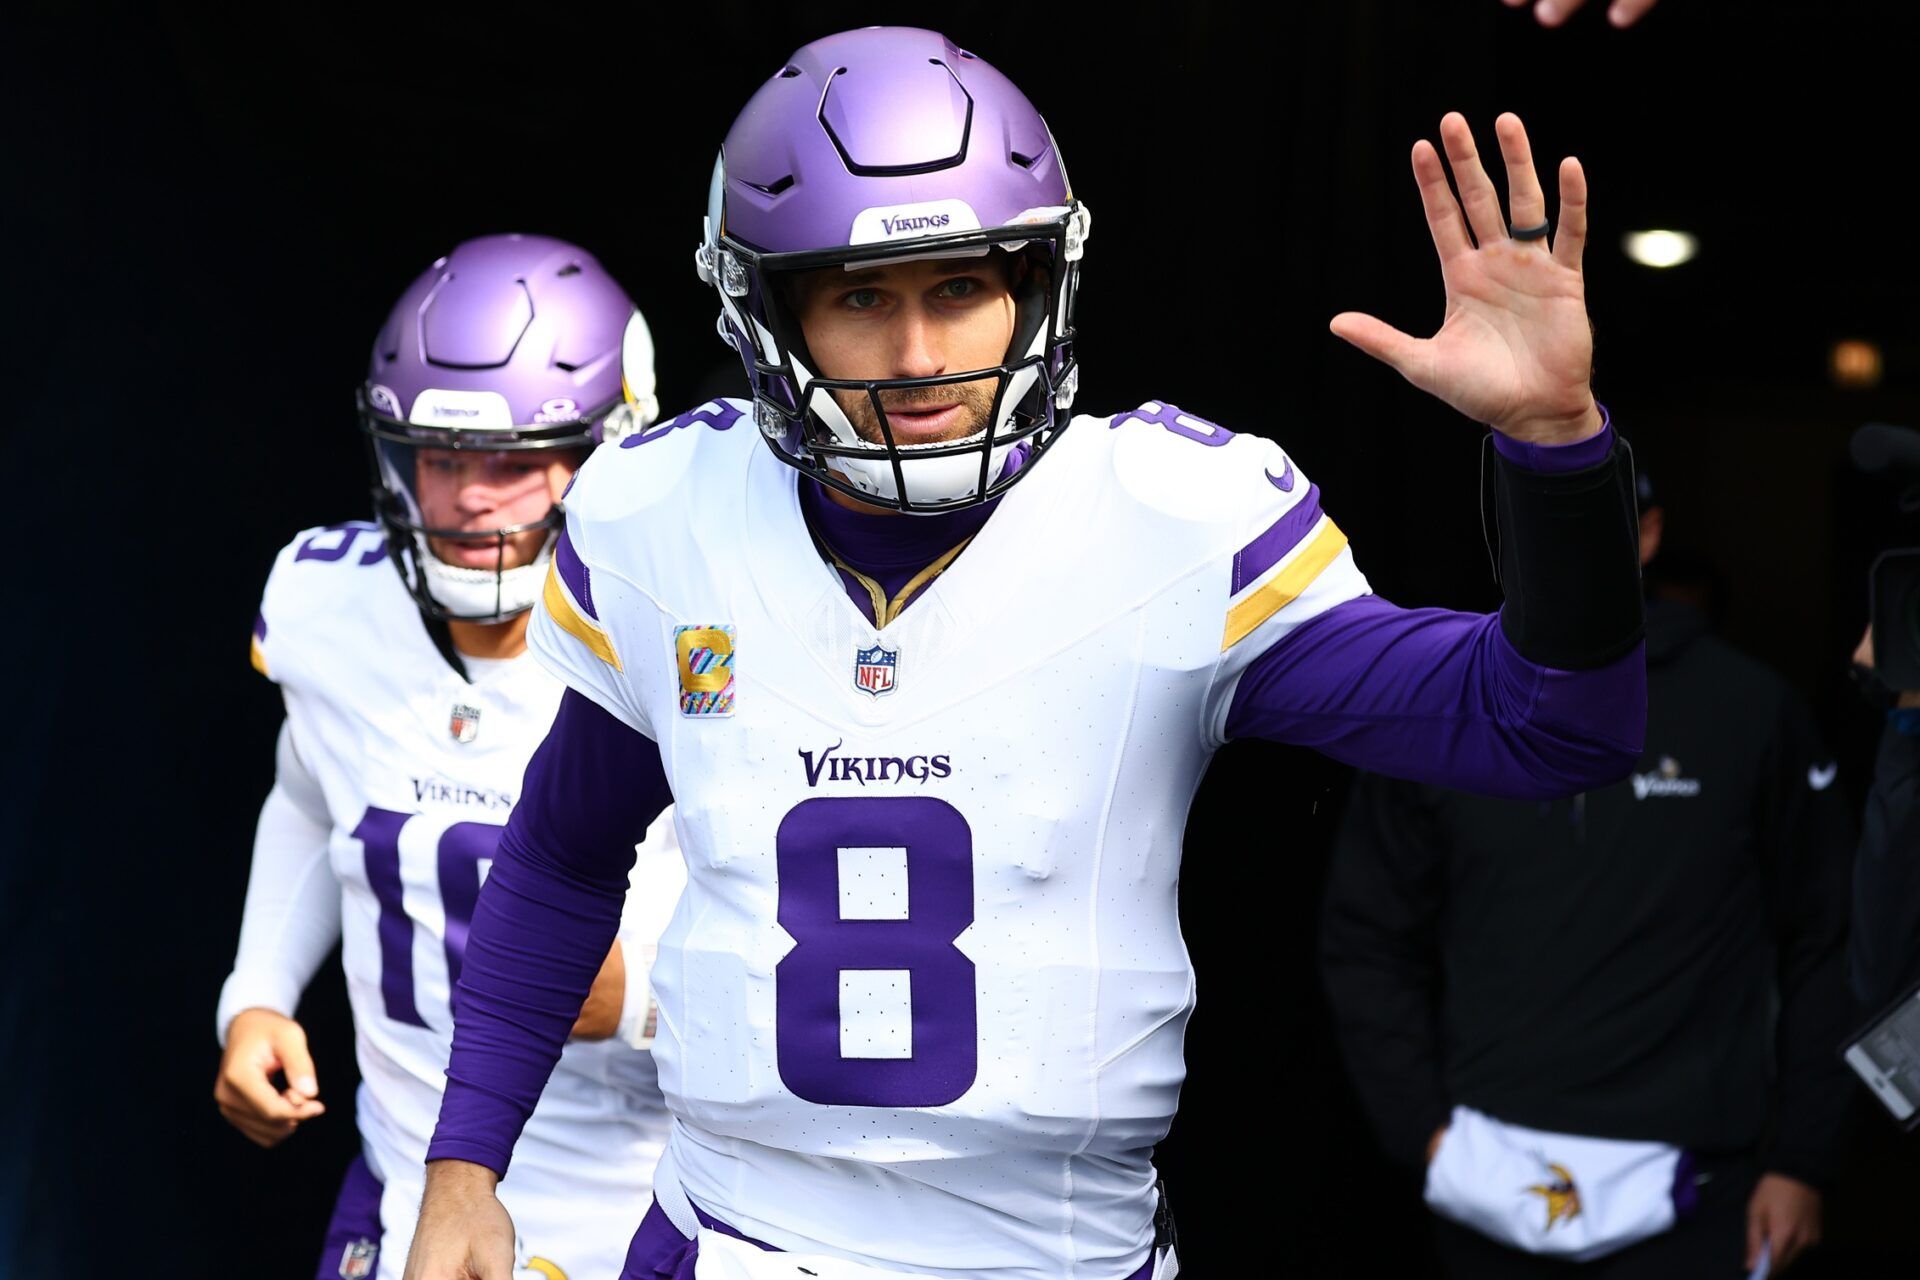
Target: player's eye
<point>861,299</point>
<point>957,288</point>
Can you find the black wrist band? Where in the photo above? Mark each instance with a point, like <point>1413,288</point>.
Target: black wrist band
<point>1566,552</point>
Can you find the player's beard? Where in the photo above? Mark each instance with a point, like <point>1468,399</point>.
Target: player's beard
<point>974,397</point>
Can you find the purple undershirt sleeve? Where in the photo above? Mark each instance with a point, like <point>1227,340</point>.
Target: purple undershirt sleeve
<point>545,920</point>
<point>1442,697</point>
<point>1577,456</point>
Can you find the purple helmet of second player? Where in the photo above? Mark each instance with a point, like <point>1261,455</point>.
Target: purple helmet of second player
<point>509,343</point>
<point>890,144</point>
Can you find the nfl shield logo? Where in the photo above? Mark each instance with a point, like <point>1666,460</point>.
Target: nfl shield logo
<point>465,722</point>
<point>357,1262</point>
<point>874,669</point>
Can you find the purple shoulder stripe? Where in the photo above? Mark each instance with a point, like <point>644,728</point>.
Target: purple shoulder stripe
<point>573,572</point>
<point>1282,536</point>
<point>259,626</point>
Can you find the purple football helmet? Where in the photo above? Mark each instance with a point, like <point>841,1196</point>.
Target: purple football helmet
<point>892,144</point>
<point>510,343</point>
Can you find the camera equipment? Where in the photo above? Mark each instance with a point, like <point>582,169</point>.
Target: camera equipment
<point>1894,582</point>
<point>1886,1055</point>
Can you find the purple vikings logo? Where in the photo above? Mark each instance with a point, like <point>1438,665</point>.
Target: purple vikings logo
<point>465,723</point>
<point>559,409</point>
<point>356,1263</point>
<point>875,669</point>
<point>923,222</point>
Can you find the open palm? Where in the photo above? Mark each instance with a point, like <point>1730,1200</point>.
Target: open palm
<point>1515,350</point>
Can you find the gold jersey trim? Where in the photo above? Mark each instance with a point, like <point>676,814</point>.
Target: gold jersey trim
<point>1284,587</point>
<point>561,609</point>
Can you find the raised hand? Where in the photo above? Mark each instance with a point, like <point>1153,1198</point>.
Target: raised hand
<point>1551,13</point>
<point>1515,350</point>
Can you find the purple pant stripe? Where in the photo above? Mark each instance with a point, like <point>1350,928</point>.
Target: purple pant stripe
<point>660,1252</point>
<point>355,1221</point>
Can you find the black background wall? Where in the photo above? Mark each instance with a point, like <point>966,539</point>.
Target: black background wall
<point>207,214</point>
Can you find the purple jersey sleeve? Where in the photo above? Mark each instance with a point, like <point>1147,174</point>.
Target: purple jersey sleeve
<point>545,920</point>
<point>1442,697</point>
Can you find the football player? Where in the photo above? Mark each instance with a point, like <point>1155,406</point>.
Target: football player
<point>412,709</point>
<point>932,672</point>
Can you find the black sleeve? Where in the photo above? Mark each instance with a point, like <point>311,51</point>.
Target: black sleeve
<point>1566,549</point>
<point>1808,840</point>
<point>1885,951</point>
<point>1379,956</point>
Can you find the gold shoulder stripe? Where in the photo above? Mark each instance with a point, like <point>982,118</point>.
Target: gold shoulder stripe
<point>258,656</point>
<point>1284,587</point>
<point>560,608</point>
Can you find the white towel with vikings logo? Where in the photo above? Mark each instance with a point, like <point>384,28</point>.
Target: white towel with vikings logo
<point>1556,1194</point>
<point>721,1257</point>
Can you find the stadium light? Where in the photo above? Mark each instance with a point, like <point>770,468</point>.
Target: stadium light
<point>1660,248</point>
<point>1855,362</point>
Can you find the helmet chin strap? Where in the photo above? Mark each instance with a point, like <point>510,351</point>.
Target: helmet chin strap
<point>483,595</point>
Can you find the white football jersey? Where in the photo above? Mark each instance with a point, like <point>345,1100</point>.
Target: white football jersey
<point>419,770</point>
<point>922,1004</point>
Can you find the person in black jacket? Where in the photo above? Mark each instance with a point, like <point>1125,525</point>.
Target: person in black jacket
<point>1658,966</point>
<point>1885,944</point>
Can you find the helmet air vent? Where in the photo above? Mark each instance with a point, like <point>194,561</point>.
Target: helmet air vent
<point>571,269</point>
<point>775,187</point>
<point>1025,162</point>
<point>897,120</point>
<point>471,322</point>
<point>789,71</point>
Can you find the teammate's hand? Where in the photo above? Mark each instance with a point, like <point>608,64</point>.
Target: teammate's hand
<point>1551,13</point>
<point>600,1015</point>
<point>1515,350</point>
<point>260,1043</point>
<point>464,1232</point>
<point>1785,1213</point>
